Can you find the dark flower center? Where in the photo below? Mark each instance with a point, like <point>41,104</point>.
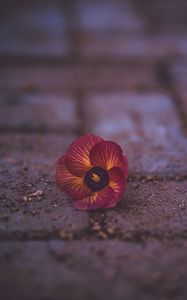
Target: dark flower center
<point>96,179</point>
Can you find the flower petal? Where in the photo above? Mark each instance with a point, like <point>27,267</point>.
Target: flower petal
<point>106,155</point>
<point>72,185</point>
<point>77,156</point>
<point>96,200</point>
<point>117,182</point>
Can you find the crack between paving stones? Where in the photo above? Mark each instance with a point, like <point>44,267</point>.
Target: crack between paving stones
<point>38,131</point>
<point>138,237</point>
<point>69,8</point>
<point>80,99</point>
<point>156,178</point>
<point>26,61</point>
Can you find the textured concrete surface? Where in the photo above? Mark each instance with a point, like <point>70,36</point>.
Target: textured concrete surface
<point>117,69</point>
<point>81,270</point>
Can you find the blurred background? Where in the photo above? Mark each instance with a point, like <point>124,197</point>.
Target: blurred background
<point>53,53</point>
<point>117,68</point>
<point>110,67</point>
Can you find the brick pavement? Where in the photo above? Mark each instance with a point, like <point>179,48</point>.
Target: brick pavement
<point>118,69</point>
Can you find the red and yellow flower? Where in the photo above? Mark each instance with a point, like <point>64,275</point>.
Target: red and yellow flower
<point>93,172</point>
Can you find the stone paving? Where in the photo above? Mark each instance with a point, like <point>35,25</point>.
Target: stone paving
<point>117,69</point>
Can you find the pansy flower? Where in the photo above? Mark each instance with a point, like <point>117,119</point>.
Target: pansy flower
<point>93,172</point>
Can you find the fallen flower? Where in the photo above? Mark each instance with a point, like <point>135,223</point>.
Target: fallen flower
<point>93,172</point>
